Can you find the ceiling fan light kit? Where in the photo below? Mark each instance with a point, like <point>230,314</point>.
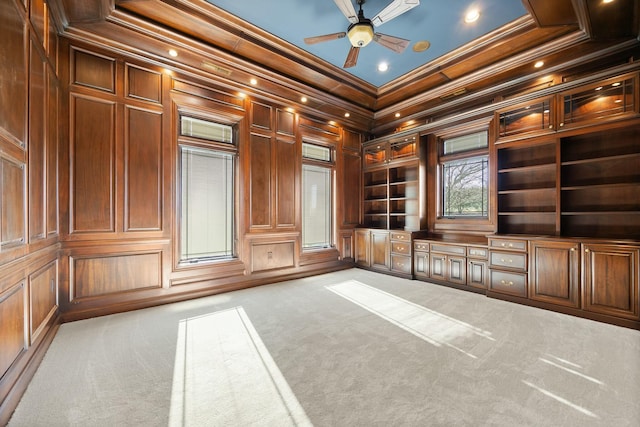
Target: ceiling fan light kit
<point>360,35</point>
<point>360,32</point>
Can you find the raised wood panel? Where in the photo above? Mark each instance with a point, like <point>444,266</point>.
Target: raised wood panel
<point>92,164</point>
<point>95,276</point>
<point>286,168</point>
<point>285,122</point>
<point>37,18</point>
<point>269,256</point>
<point>380,250</point>
<point>611,280</point>
<point>351,140</point>
<point>93,71</point>
<point>143,84</point>
<point>12,325</point>
<point>261,115</point>
<point>43,301</point>
<point>350,196</point>
<point>143,170</point>
<point>37,146</point>
<point>52,166</point>
<point>260,181</point>
<point>363,247</point>
<point>554,273</point>
<point>13,81</point>
<point>12,203</point>
<point>346,245</point>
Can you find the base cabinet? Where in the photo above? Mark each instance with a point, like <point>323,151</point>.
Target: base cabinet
<point>380,250</point>
<point>610,280</point>
<point>387,251</point>
<point>554,272</point>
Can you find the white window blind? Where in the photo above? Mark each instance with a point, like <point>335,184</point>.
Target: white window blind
<point>207,196</point>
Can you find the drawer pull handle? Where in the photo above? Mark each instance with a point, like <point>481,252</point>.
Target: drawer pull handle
<point>504,282</point>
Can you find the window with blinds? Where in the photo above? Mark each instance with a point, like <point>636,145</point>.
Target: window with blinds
<point>207,199</point>
<point>317,173</point>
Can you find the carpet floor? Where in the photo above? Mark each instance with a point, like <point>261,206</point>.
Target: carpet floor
<point>350,348</point>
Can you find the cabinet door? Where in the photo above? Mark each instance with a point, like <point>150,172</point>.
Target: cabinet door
<point>477,273</point>
<point>380,249</point>
<point>611,280</point>
<point>362,248</point>
<point>554,275</point>
<point>438,266</point>
<point>457,269</point>
<point>421,264</point>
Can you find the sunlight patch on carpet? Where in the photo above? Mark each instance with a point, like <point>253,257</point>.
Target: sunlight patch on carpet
<point>561,399</point>
<point>435,328</point>
<point>224,375</point>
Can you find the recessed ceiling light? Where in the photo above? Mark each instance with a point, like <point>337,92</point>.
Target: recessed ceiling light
<point>347,114</point>
<point>383,66</point>
<point>303,99</point>
<point>472,16</point>
<point>599,88</point>
<point>538,64</point>
<point>397,114</point>
<point>607,1</point>
<point>173,52</point>
<point>421,46</point>
<point>616,84</point>
<point>253,82</point>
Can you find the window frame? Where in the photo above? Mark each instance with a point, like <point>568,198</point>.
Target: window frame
<point>224,148</point>
<point>442,223</point>
<point>331,166</point>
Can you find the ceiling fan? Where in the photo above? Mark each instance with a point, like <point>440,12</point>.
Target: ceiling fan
<point>360,32</point>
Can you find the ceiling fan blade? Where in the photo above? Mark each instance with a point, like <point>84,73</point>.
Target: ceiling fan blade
<point>347,9</point>
<point>352,57</point>
<point>396,44</point>
<point>395,8</point>
<point>324,38</point>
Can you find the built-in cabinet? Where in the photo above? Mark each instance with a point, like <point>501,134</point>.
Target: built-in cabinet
<point>385,251</point>
<point>460,264</point>
<point>391,178</point>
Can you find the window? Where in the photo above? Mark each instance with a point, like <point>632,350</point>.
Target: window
<point>317,182</point>
<point>207,175</point>
<point>464,175</point>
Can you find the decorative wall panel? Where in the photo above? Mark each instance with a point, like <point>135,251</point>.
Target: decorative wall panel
<point>12,203</point>
<point>92,165</point>
<point>143,170</point>
<point>43,297</point>
<point>12,326</point>
<point>95,276</point>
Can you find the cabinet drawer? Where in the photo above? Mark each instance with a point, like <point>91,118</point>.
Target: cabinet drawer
<point>401,264</point>
<point>511,244</point>
<point>422,246</point>
<point>402,248</point>
<point>508,283</point>
<point>400,236</point>
<point>449,249</point>
<point>477,252</point>
<point>509,260</point>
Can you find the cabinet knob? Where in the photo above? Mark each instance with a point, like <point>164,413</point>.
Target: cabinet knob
<point>561,124</point>
<point>586,250</point>
<point>573,249</point>
<point>550,126</point>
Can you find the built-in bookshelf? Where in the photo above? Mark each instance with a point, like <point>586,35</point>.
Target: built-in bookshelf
<point>600,175</point>
<point>527,189</point>
<point>392,184</point>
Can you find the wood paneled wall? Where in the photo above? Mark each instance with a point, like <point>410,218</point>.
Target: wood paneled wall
<point>29,169</point>
<point>120,198</point>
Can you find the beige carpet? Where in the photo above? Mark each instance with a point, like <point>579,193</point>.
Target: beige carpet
<point>351,348</point>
